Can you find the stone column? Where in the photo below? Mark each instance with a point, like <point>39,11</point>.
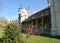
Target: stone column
<point>32,23</point>
<point>36,23</point>
<point>29,25</point>
<point>55,17</point>
<point>42,24</point>
<point>26,25</point>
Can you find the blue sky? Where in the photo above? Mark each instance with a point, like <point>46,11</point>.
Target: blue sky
<point>10,7</point>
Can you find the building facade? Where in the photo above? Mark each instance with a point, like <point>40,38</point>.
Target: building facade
<point>40,19</point>
<point>23,15</point>
<point>47,20</point>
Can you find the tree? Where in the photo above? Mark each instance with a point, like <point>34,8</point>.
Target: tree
<point>32,30</point>
<point>12,34</point>
<point>3,22</point>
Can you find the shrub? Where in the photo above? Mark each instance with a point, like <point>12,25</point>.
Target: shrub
<point>12,34</point>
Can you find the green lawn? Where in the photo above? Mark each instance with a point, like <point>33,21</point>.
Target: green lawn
<point>40,39</point>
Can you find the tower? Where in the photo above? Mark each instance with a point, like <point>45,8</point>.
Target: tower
<point>23,15</point>
<point>55,17</point>
<point>19,11</point>
<point>28,10</point>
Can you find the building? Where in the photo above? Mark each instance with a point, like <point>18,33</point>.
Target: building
<point>23,14</point>
<point>47,19</point>
<point>41,19</point>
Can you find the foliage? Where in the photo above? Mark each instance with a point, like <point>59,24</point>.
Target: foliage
<point>1,32</point>
<point>32,30</point>
<point>3,22</point>
<point>12,34</point>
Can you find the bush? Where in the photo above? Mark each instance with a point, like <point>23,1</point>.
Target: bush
<point>12,34</point>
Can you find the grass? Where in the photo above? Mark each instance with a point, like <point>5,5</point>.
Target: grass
<point>41,39</point>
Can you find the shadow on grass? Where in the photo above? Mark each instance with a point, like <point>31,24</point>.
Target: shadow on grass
<point>50,36</point>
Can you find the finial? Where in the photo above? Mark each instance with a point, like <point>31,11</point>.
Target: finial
<point>19,10</point>
<point>20,6</point>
